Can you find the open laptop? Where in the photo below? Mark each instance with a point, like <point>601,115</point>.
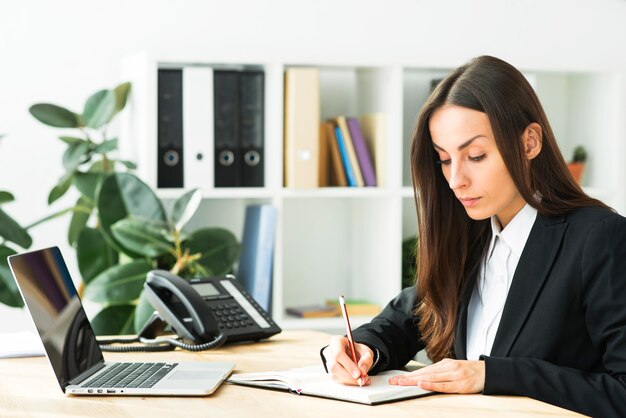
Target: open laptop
<point>72,349</point>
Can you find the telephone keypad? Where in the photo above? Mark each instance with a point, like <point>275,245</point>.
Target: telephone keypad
<point>230,315</point>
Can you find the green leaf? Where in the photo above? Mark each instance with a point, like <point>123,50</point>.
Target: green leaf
<point>119,284</point>
<point>114,320</point>
<point>79,220</point>
<point>56,116</point>
<point>63,186</point>
<point>184,208</point>
<point>99,167</point>
<point>121,95</point>
<point>74,155</point>
<point>87,183</point>
<point>9,293</point>
<point>129,164</point>
<point>6,197</point>
<point>99,108</point>
<point>123,195</point>
<point>12,231</point>
<point>219,249</point>
<point>106,146</point>
<point>143,311</point>
<point>71,140</point>
<point>142,237</point>
<point>94,254</point>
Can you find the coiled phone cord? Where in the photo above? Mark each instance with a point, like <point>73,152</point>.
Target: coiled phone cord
<point>157,344</point>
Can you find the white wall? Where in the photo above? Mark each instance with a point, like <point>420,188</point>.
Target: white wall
<point>60,51</point>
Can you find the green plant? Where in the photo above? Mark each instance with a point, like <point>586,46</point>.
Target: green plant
<point>580,154</point>
<point>409,261</point>
<point>119,227</point>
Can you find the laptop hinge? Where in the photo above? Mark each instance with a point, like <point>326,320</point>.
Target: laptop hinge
<point>86,374</point>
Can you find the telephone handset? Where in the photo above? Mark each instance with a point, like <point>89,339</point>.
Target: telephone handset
<point>205,311</point>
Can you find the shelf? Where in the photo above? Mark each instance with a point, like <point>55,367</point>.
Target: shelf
<point>338,192</point>
<point>225,193</point>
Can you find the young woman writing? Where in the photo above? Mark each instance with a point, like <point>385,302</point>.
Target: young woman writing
<point>521,284</point>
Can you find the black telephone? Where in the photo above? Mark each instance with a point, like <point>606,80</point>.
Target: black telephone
<point>205,312</point>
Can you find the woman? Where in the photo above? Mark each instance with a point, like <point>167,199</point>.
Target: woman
<point>522,277</point>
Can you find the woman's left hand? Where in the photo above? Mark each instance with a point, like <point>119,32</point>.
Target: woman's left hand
<point>447,376</point>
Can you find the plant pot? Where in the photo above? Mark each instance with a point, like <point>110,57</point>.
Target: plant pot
<point>577,170</point>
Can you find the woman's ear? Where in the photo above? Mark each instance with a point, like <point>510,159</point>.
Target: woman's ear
<point>532,140</point>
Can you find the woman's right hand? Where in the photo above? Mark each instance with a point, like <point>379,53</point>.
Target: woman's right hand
<point>340,364</point>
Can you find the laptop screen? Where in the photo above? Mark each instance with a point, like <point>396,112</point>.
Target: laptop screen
<point>57,312</point>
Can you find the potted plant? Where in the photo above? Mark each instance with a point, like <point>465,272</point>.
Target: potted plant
<point>119,227</point>
<point>577,165</point>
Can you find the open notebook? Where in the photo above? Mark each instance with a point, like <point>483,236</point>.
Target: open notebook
<point>314,381</point>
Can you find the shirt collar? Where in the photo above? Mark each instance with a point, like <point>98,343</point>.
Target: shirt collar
<point>516,233</point>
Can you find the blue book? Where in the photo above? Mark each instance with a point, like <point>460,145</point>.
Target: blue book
<point>344,158</point>
<point>257,253</point>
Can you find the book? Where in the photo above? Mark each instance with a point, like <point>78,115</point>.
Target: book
<point>362,153</point>
<point>349,144</point>
<point>374,128</point>
<point>313,311</point>
<point>198,126</point>
<point>325,165</point>
<point>257,253</point>
<point>301,119</point>
<point>337,174</point>
<point>351,180</point>
<point>314,381</point>
<point>357,307</point>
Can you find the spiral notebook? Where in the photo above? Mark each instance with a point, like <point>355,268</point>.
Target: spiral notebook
<point>314,381</point>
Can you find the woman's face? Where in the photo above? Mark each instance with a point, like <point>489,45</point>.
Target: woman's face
<point>472,164</point>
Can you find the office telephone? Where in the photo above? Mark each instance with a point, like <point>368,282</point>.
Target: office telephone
<point>204,312</point>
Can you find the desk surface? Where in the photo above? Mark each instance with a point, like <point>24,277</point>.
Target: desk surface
<point>28,388</point>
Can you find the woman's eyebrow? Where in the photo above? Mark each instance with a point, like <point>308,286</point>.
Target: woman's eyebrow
<point>463,145</point>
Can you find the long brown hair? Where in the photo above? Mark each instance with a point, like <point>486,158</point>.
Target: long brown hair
<point>451,245</point>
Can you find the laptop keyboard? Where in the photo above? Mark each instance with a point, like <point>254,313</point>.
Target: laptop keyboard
<point>131,375</point>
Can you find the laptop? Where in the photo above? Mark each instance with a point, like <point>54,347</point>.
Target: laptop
<point>72,349</point>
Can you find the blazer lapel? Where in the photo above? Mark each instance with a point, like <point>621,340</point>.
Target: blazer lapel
<point>531,272</point>
<point>460,335</point>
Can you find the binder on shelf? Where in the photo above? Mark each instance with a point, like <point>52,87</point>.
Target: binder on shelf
<point>227,151</point>
<point>374,126</point>
<point>351,180</point>
<point>198,127</point>
<point>251,128</point>
<point>337,174</point>
<point>257,253</point>
<point>170,128</point>
<point>301,130</point>
<point>347,139</point>
<point>362,153</point>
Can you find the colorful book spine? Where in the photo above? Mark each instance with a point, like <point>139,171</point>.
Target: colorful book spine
<point>347,140</point>
<point>363,155</point>
<point>345,159</point>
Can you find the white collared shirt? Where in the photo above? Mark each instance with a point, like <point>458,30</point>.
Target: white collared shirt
<point>494,281</point>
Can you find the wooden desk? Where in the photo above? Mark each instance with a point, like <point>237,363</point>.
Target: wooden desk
<point>28,388</point>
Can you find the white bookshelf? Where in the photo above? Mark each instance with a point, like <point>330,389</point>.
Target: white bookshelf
<point>348,240</point>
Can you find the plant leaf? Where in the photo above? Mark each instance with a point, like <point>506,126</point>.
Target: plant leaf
<point>184,208</point>
<point>12,231</point>
<point>123,195</point>
<point>114,320</point>
<point>79,221</point>
<point>71,140</point>
<point>129,164</point>
<point>9,293</point>
<point>94,254</point>
<point>87,183</point>
<point>219,249</point>
<point>142,237</point>
<point>63,186</point>
<point>121,95</point>
<point>106,146</point>
<point>6,197</point>
<point>73,156</point>
<point>56,116</point>
<point>143,311</point>
<point>118,284</point>
<point>99,108</point>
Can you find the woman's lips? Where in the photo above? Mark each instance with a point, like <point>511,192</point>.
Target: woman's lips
<point>468,202</point>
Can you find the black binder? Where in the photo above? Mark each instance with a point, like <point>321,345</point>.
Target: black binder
<point>251,128</point>
<point>170,128</point>
<point>226,124</point>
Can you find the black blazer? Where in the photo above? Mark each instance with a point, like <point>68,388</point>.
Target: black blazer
<point>562,335</point>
